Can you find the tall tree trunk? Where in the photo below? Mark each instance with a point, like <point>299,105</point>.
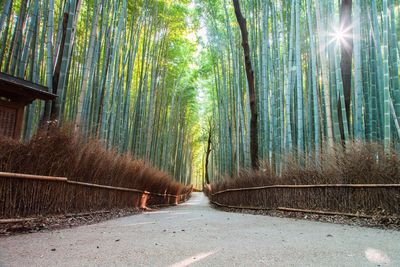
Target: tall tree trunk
<point>347,54</point>
<point>49,58</point>
<point>208,151</point>
<point>57,68</point>
<point>250,80</point>
<point>67,55</point>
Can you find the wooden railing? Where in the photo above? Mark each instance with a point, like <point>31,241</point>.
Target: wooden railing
<point>307,186</point>
<point>38,190</point>
<point>358,200</point>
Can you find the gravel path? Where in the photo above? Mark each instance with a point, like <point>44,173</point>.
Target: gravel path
<point>195,234</point>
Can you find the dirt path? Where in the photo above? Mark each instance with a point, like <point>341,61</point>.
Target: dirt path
<point>194,233</point>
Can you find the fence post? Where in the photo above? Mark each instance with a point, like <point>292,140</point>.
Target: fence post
<point>143,200</point>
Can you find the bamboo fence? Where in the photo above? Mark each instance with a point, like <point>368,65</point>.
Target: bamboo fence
<point>23,195</point>
<point>354,200</point>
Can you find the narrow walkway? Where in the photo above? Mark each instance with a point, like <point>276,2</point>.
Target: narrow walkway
<point>193,233</point>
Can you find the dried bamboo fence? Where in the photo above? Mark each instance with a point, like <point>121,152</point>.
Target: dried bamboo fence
<point>359,200</point>
<point>23,195</point>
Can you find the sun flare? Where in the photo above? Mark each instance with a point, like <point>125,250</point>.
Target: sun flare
<point>341,35</point>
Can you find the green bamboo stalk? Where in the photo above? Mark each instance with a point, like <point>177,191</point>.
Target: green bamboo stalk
<point>314,75</point>
<point>88,64</point>
<point>299,84</point>
<point>386,77</point>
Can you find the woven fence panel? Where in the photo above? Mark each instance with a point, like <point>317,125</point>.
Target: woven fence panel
<point>363,200</point>
<point>8,117</point>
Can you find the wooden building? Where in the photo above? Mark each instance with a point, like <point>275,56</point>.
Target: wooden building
<point>15,95</point>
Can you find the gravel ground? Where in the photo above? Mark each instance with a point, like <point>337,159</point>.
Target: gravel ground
<point>194,233</point>
<point>47,223</point>
<point>378,221</point>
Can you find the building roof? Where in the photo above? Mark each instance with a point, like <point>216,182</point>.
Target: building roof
<point>13,87</point>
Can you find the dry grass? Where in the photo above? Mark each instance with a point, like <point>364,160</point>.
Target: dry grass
<point>358,164</point>
<point>59,153</point>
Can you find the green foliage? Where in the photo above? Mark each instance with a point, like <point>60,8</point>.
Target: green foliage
<point>148,78</point>
<point>127,81</point>
<point>296,55</point>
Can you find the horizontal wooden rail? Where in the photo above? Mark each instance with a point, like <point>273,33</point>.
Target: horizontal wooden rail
<point>66,180</point>
<point>238,207</point>
<point>19,220</point>
<point>332,213</point>
<point>306,186</point>
<point>105,186</point>
<point>32,177</point>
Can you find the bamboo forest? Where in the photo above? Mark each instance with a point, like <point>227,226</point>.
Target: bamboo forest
<point>210,87</point>
<point>199,133</point>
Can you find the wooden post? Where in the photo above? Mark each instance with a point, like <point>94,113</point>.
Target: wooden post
<point>143,200</point>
